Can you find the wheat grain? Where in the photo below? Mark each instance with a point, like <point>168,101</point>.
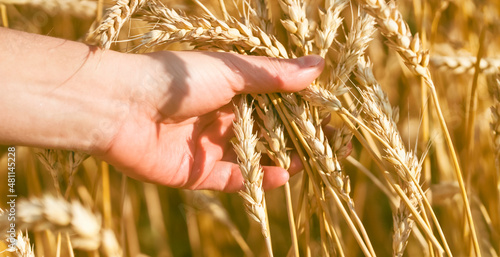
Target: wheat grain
<point>169,26</point>
<point>320,146</point>
<point>274,134</point>
<point>60,162</point>
<point>74,160</point>
<point>341,142</point>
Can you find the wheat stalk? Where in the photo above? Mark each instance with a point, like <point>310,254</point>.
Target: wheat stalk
<point>249,162</point>
<point>494,90</point>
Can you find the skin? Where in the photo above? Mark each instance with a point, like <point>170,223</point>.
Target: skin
<point>164,117</point>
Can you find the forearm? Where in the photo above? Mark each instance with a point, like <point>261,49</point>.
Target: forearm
<point>60,94</point>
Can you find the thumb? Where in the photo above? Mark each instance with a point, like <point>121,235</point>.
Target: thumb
<point>257,74</point>
<point>201,82</point>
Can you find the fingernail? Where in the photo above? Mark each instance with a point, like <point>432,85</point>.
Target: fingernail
<point>309,61</point>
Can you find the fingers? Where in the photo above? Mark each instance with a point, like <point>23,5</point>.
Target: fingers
<point>226,176</point>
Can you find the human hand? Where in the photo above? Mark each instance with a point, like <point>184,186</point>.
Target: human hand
<point>179,125</point>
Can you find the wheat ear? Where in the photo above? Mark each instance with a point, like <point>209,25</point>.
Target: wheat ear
<point>296,23</point>
<point>327,166</point>
<point>23,247</point>
<point>409,47</point>
<point>382,122</point>
<point>113,21</point>
<point>382,119</point>
<point>249,162</point>
<point>78,8</point>
<point>260,16</point>
<point>330,21</point>
<point>74,160</point>
<point>49,159</point>
<point>464,64</point>
<point>58,215</point>
<point>324,93</point>
<point>274,133</point>
<point>208,33</point>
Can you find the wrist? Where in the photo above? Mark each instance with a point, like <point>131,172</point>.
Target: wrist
<point>68,95</point>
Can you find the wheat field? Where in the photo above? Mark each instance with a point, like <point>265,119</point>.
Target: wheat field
<point>410,168</point>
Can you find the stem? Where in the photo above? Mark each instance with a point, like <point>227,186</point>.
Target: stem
<point>267,237</point>
<point>3,12</point>
<point>291,220</point>
<point>106,197</point>
<point>470,116</point>
<point>456,164</point>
